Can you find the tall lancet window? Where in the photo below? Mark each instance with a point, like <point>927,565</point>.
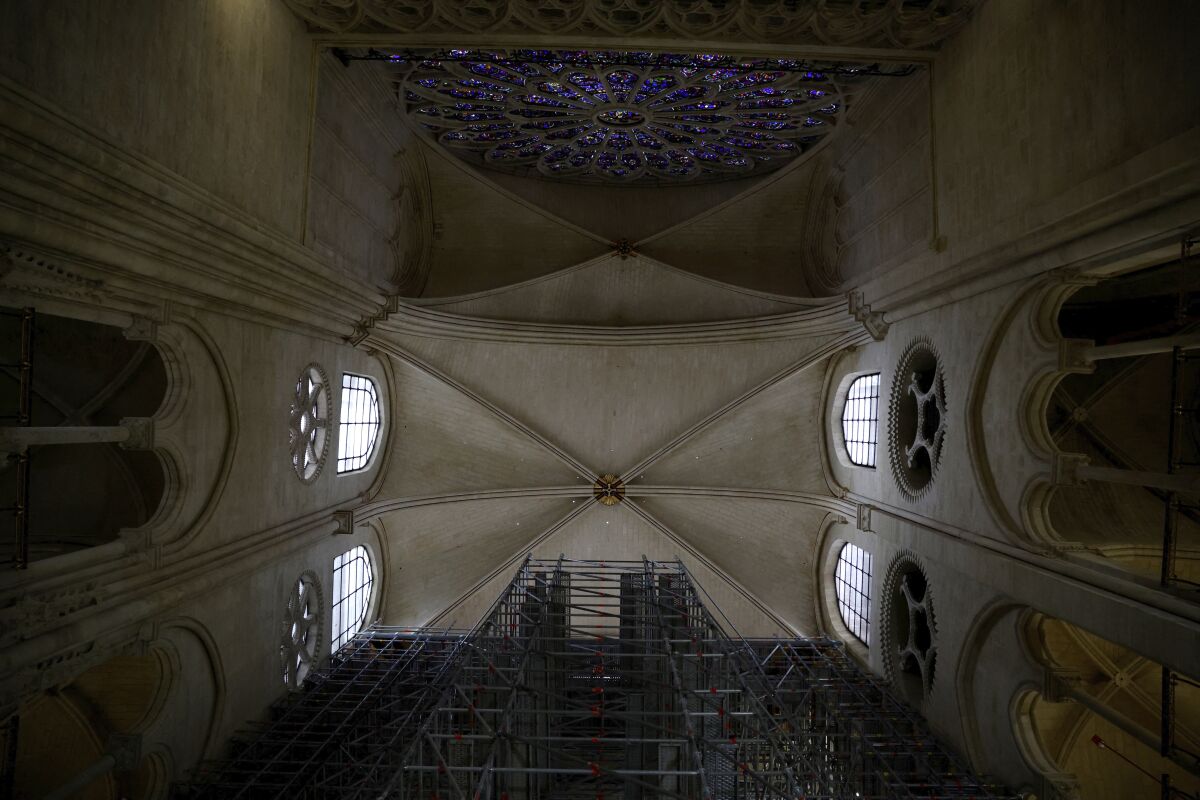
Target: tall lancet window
<point>853,582</point>
<point>860,420</point>
<point>358,427</point>
<point>352,581</point>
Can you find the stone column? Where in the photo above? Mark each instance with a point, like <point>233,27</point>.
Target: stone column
<point>123,754</point>
<point>1073,469</point>
<point>1185,484</point>
<point>133,433</point>
<point>1144,347</point>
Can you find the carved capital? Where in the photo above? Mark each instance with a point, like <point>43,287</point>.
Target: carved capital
<point>126,750</point>
<point>1063,786</point>
<point>864,517</point>
<point>1072,356</point>
<point>1066,469</point>
<point>141,433</point>
<point>140,542</point>
<point>1057,683</point>
<point>873,321</point>
<point>142,329</point>
<point>345,521</point>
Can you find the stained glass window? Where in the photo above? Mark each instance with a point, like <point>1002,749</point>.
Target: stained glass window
<point>860,420</point>
<point>352,581</point>
<point>624,117</point>
<point>358,427</point>
<point>852,579</point>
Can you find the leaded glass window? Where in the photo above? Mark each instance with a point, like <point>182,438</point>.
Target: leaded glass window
<point>359,425</point>
<point>860,420</point>
<point>624,117</point>
<point>352,581</point>
<point>852,579</point>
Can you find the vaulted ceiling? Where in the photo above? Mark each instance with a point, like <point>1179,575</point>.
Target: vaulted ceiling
<point>669,338</point>
<point>542,358</point>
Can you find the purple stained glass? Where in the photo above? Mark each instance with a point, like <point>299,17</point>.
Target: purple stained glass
<point>492,71</point>
<point>624,117</point>
<point>647,141</point>
<point>622,78</point>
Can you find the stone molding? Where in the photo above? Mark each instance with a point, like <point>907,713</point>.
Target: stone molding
<point>116,252</point>
<point>345,520</point>
<point>141,433</point>
<point>30,272</point>
<point>873,321</point>
<point>863,517</point>
<point>409,319</point>
<point>889,26</point>
<point>29,614</point>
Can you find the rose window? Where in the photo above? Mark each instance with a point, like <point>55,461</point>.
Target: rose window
<point>308,423</point>
<point>300,644</point>
<point>624,117</point>
<point>917,419</point>
<point>911,651</point>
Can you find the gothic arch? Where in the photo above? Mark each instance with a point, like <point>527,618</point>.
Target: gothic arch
<point>835,534</point>
<point>982,628</point>
<point>1110,414</point>
<point>184,451</point>
<point>175,635</point>
<point>1097,709</point>
<point>89,373</point>
<point>115,708</point>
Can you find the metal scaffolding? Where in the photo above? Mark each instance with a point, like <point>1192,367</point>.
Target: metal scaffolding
<point>594,680</point>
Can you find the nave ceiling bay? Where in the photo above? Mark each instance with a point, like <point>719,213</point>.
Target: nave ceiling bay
<point>729,170</point>
<point>616,357</point>
<point>699,401</point>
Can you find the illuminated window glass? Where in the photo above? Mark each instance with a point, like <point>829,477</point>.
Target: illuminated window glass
<point>352,581</point>
<point>853,582</point>
<point>860,419</point>
<point>358,427</point>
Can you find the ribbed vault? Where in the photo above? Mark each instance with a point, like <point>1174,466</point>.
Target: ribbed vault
<point>502,438</point>
<point>542,357</point>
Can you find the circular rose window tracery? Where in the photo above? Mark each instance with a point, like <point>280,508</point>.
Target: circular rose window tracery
<point>917,419</point>
<point>647,118</point>
<point>300,642</point>
<point>308,423</point>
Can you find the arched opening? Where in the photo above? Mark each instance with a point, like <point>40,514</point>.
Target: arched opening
<point>353,582</point>
<point>852,580</point>
<point>860,420</point>
<point>87,377</point>
<point>1132,414</point>
<point>86,739</point>
<point>358,423</point>
<point>1099,723</point>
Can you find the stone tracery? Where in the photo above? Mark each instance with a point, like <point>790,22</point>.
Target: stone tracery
<point>905,23</point>
<point>308,432</point>
<point>625,117</point>
<point>300,644</point>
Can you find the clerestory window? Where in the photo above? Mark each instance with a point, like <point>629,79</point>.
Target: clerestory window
<point>358,427</point>
<point>860,420</point>
<point>352,581</point>
<point>852,579</point>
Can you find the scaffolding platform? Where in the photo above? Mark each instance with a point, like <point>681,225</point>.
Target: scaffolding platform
<point>594,680</point>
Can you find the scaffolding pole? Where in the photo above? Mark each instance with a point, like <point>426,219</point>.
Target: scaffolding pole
<point>597,680</point>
